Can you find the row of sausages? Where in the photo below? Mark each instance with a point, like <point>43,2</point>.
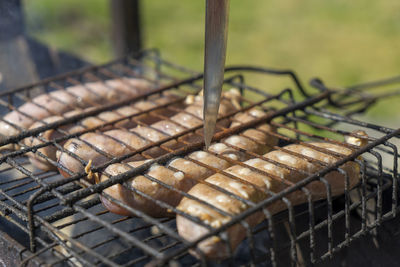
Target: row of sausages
<point>100,147</point>
<point>221,182</point>
<point>60,102</point>
<point>257,179</point>
<point>215,196</point>
<point>46,157</point>
<point>182,173</point>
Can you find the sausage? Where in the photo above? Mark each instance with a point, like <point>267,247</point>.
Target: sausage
<point>180,173</point>
<point>147,186</point>
<point>254,186</point>
<point>61,101</point>
<point>50,150</point>
<point>229,102</point>
<point>255,140</point>
<point>140,134</point>
<point>86,123</point>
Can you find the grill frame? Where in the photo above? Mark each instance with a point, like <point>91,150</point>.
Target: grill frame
<point>309,107</point>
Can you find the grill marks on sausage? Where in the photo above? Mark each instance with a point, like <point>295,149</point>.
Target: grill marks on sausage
<point>264,176</point>
<point>50,151</point>
<point>61,101</point>
<point>182,174</point>
<point>155,132</point>
<point>190,170</point>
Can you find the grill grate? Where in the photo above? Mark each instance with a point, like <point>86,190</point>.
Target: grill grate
<point>62,221</point>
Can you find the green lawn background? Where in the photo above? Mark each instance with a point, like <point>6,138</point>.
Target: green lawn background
<point>343,42</point>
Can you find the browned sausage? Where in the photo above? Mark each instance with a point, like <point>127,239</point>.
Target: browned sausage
<point>87,123</point>
<point>140,136</point>
<point>254,186</point>
<point>180,173</point>
<point>61,101</point>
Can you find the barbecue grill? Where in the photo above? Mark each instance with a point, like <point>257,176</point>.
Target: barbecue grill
<point>48,219</point>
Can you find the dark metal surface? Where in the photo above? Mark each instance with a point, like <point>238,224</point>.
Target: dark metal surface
<point>11,252</point>
<point>65,224</point>
<point>24,60</point>
<point>125,26</point>
<point>11,19</point>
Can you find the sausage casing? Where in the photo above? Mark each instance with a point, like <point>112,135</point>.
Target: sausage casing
<point>61,101</point>
<point>87,123</point>
<point>155,133</point>
<point>180,173</point>
<point>254,186</point>
<point>187,171</point>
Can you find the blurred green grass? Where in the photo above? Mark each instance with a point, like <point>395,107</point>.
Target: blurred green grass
<point>342,42</point>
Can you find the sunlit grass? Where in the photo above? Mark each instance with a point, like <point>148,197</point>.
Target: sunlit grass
<point>342,42</point>
<point>80,27</point>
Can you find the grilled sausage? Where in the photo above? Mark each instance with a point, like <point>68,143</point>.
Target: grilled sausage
<point>61,101</point>
<point>254,186</point>
<point>180,173</point>
<point>118,143</point>
<point>87,123</point>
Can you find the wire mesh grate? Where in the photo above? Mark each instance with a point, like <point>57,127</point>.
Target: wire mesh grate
<point>62,221</point>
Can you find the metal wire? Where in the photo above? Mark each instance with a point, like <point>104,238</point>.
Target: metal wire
<point>46,207</point>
